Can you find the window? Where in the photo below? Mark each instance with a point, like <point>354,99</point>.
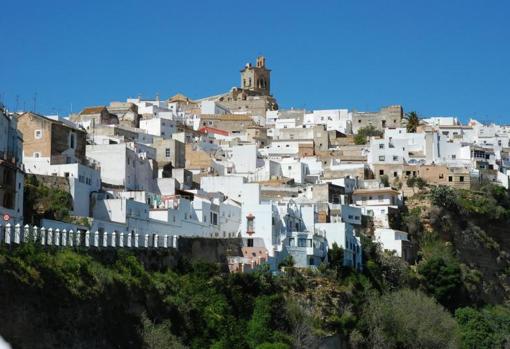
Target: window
<point>290,168</point>
<point>72,140</point>
<point>395,174</point>
<point>461,179</point>
<point>38,134</point>
<point>381,146</point>
<point>450,179</point>
<point>381,157</point>
<point>37,155</point>
<point>395,158</point>
<point>167,152</point>
<point>250,242</point>
<point>381,172</point>
<point>250,224</point>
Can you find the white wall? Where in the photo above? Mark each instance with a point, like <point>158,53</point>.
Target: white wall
<point>244,158</point>
<point>390,239</point>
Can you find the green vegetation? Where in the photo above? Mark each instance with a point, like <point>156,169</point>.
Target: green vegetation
<point>364,133</point>
<point>453,294</point>
<point>416,182</point>
<point>407,319</point>
<point>413,121</point>
<point>485,328</point>
<point>41,201</point>
<point>384,180</point>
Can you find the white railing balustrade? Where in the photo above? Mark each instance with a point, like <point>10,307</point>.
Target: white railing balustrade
<point>18,234</point>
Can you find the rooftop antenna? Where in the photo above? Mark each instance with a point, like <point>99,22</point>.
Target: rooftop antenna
<point>157,96</point>
<point>35,101</point>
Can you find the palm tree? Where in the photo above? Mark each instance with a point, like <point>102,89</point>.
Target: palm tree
<point>413,121</point>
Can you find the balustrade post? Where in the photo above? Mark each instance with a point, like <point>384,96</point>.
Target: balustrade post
<point>71,238</point>
<point>114,237</point>
<point>26,234</point>
<point>87,238</point>
<point>35,234</point>
<point>17,234</point>
<point>121,239</point>
<point>49,239</point>
<point>7,234</point>
<point>57,237</point>
<point>43,236</point>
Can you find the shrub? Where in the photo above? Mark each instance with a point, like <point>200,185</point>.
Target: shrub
<point>442,278</point>
<point>363,133</point>
<point>407,319</point>
<point>443,196</point>
<point>385,180</point>
<point>486,328</point>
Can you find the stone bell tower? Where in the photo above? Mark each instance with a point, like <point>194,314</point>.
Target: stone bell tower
<point>256,78</point>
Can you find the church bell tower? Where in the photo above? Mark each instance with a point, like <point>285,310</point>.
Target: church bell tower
<point>257,78</point>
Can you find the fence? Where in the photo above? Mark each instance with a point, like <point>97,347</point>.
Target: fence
<point>17,234</point>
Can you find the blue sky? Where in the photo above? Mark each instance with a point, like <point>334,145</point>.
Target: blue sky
<point>444,57</point>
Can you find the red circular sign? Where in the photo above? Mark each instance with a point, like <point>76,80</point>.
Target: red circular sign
<point>6,217</point>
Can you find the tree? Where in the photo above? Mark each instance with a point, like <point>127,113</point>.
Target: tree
<point>407,319</point>
<point>486,328</point>
<point>42,201</point>
<point>420,183</point>
<point>411,182</point>
<point>288,262</point>
<point>442,278</point>
<point>265,321</point>
<point>158,336</point>
<point>413,121</point>
<point>363,133</point>
<point>384,180</point>
<point>443,196</point>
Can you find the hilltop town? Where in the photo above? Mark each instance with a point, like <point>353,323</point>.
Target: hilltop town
<point>290,183</point>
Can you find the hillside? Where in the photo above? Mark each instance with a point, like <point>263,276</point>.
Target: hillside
<point>453,296</point>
